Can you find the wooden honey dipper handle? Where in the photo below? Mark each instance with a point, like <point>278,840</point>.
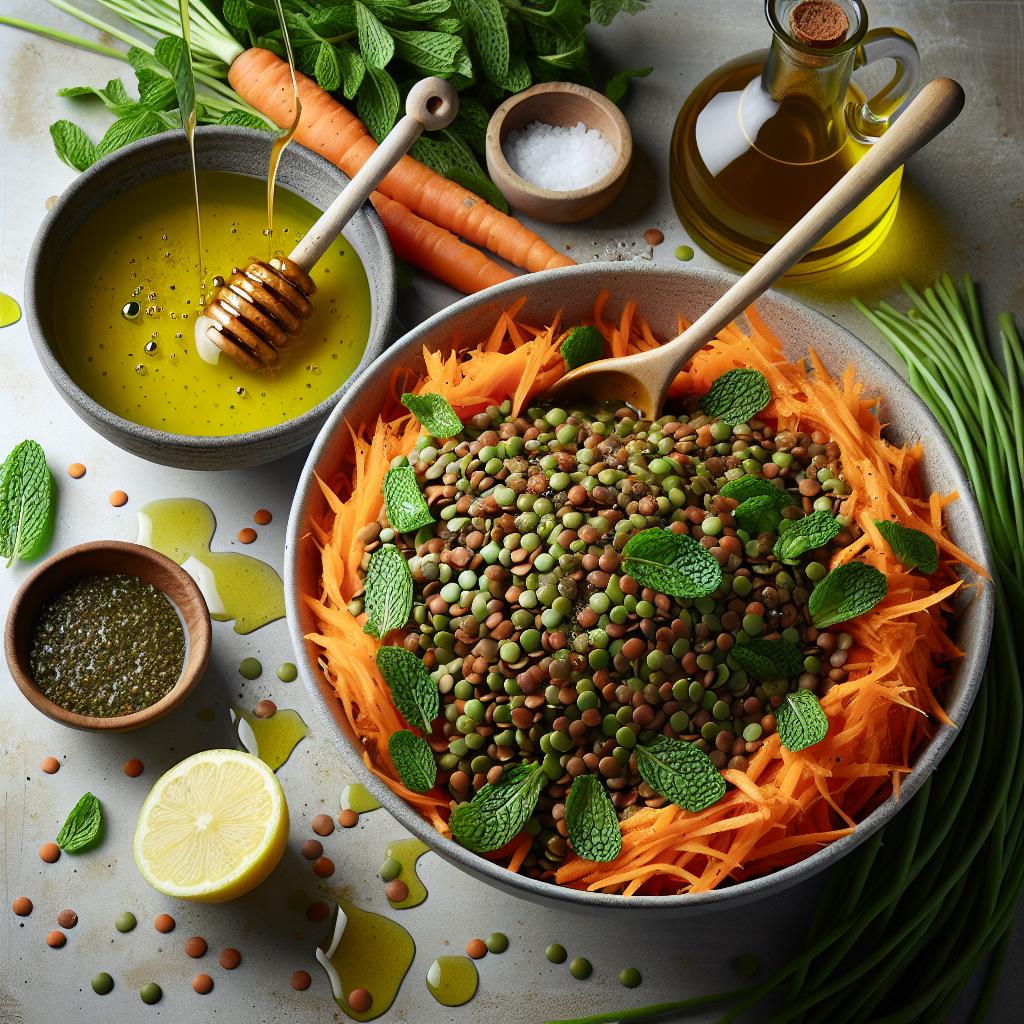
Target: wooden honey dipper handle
<point>430,105</point>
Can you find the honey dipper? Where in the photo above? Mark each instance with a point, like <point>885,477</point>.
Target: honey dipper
<point>262,309</point>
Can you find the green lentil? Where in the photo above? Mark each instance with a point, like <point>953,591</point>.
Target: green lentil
<point>581,968</point>
<point>102,984</point>
<point>630,977</point>
<point>496,942</point>
<point>556,953</point>
<point>287,672</point>
<point>250,668</point>
<point>151,993</point>
<point>390,869</point>
<point>125,922</point>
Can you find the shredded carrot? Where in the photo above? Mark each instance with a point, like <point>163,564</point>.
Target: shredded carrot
<point>786,805</point>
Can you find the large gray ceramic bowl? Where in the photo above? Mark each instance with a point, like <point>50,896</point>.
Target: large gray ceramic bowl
<point>227,148</point>
<point>662,294</point>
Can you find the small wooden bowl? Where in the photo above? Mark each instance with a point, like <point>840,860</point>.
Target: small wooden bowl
<point>566,105</point>
<point>106,558</point>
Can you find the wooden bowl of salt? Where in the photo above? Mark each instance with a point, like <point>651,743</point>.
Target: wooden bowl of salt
<point>559,152</point>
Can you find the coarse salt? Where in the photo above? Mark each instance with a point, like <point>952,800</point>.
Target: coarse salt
<point>556,158</point>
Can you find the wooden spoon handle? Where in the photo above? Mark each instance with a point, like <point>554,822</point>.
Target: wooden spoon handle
<point>430,105</point>
<point>935,107</point>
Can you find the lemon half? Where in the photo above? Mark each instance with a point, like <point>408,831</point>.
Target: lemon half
<point>212,828</point>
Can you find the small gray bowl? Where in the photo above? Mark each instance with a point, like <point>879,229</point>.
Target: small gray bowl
<point>662,294</point>
<point>218,148</point>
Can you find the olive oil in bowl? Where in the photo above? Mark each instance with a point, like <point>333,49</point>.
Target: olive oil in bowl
<point>131,289</point>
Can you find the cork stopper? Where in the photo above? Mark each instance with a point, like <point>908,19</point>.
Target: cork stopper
<point>819,23</point>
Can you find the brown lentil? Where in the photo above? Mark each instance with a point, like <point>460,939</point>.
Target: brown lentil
<point>196,947</point>
<point>348,818</point>
<point>67,919</point>
<point>300,980</point>
<point>312,849</point>
<point>49,765</point>
<point>22,906</point>
<point>164,923</point>
<point>202,984</point>
<point>49,853</point>
<point>229,958</point>
<point>359,1000</point>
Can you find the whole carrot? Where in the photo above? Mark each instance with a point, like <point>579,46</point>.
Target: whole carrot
<point>263,80</point>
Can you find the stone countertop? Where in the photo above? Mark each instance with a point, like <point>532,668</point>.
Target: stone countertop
<point>962,209</point>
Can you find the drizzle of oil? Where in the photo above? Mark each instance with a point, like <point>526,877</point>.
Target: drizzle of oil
<point>271,739</point>
<point>10,311</point>
<point>286,136</point>
<point>188,122</point>
<point>452,980</point>
<point>407,852</point>
<point>357,797</point>
<point>235,586</point>
<point>367,951</point>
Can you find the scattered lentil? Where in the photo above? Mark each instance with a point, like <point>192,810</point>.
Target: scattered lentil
<point>318,911</point>
<point>49,765</point>
<point>630,977</point>
<point>359,1000</point>
<point>497,942</point>
<point>151,993</point>
<point>390,869</point>
<point>348,818</point>
<point>556,953</point>
<point>164,923</point>
<point>246,535</point>
<point>396,890</point>
<point>287,672</point>
<point>476,948</point>
<point>322,824</point>
<point>56,939</point>
<point>22,906</point>
<point>250,668</point>
<point>323,867</point>
<point>202,984</point>
<point>581,968</point>
<point>312,849</point>
<point>67,919</point>
<point>229,958</point>
<point>118,499</point>
<point>49,853</point>
<point>262,517</point>
<point>265,709</point>
<point>196,947</point>
<point>76,471</point>
<point>125,921</point>
<point>102,984</point>
<point>654,236</point>
<point>133,768</point>
<point>300,980</point>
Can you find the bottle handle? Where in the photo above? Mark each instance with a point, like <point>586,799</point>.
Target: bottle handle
<point>868,121</point>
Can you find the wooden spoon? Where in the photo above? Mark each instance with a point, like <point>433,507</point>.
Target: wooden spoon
<point>260,309</point>
<point>642,380</point>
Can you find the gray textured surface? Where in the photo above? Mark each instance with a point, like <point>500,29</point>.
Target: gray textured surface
<point>963,208</point>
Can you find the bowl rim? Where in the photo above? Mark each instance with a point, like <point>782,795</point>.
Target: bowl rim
<point>199,637</point>
<point>495,152</point>
<point>79,399</point>
<point>971,665</point>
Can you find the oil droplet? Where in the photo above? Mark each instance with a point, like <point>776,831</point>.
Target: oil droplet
<point>684,253</point>
<point>366,951</point>
<point>10,311</point>
<point>218,282</point>
<point>356,797</point>
<point>140,369</point>
<point>235,586</point>
<point>271,739</point>
<point>241,392</point>
<point>407,852</point>
<point>150,347</point>
<point>452,980</point>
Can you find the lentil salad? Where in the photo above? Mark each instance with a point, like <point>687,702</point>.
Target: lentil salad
<point>553,656</point>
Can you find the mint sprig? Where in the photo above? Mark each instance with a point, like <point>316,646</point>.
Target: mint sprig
<point>912,548</point>
<point>593,825</point>
<point>82,827</point>
<point>745,487</point>
<point>497,814</point>
<point>769,659</point>
<point>388,597</point>
<point>434,414</point>
<point>680,772</point>
<point>846,592</point>
<point>801,721</point>
<point>581,345</point>
<point>415,694</point>
<point>807,534</point>
<point>671,563</point>
<point>27,499</point>
<point>737,395</point>
<point>762,512</point>
<point>413,760</point>
<point>406,507</point>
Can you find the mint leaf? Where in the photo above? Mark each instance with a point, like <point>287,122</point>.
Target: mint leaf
<point>582,345</point>
<point>760,514</point>
<point>671,563</point>
<point>801,721</point>
<point>413,760</point>
<point>375,42</point>
<point>433,53</point>
<point>497,814</point>
<point>353,70</point>
<point>388,598</point>
<point>846,592</point>
<point>603,11</point>
<point>434,413</point>
<point>813,531</point>
<point>914,549</point>
<point>245,120</point>
<point>327,69</point>
<point>27,498</point>
<point>73,146</point>
<point>130,129</point>
<point>737,395</point>
<point>82,827</point>
<point>592,822</point>
<point>489,33</point>
<point>406,507</point>
<point>114,96</point>
<point>377,102</point>
<point>618,85</point>
<point>747,487</point>
<point>767,660</point>
<point>479,185</point>
<point>680,772</point>
<point>413,691</point>
<point>172,52</point>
